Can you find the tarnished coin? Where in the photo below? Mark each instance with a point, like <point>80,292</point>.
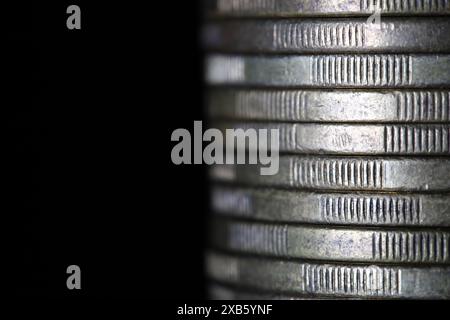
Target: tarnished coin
<point>370,209</point>
<point>300,8</point>
<point>354,139</point>
<point>330,105</point>
<point>338,280</point>
<point>330,71</point>
<point>331,243</point>
<point>402,35</point>
<point>344,173</point>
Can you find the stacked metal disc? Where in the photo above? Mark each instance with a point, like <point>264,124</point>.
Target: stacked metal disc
<point>360,207</point>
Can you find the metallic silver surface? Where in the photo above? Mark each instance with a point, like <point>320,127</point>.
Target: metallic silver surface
<point>355,35</point>
<point>360,206</point>
<point>332,243</point>
<point>220,292</point>
<point>330,71</point>
<point>330,106</point>
<point>363,209</point>
<point>355,139</point>
<point>330,279</point>
<point>345,173</point>
<point>300,8</point>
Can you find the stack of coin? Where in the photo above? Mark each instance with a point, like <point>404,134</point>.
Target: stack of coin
<point>360,93</point>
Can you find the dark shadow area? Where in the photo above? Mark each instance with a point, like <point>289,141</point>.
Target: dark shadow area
<point>89,124</point>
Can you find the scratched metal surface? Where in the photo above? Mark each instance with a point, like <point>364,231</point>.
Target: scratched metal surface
<point>391,174</point>
<point>301,8</point>
<point>354,139</point>
<point>329,243</point>
<point>360,207</point>
<point>330,279</point>
<point>332,208</point>
<point>392,35</point>
<point>337,106</point>
<point>330,71</point>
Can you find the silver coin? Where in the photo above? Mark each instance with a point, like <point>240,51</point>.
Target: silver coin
<point>220,292</point>
<point>330,71</point>
<point>418,35</point>
<point>355,139</point>
<point>331,243</point>
<point>338,280</point>
<point>370,209</point>
<point>300,8</point>
<point>344,173</point>
<point>330,106</point>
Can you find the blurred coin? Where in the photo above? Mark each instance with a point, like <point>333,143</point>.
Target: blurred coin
<point>403,35</point>
<point>371,209</point>
<point>330,106</point>
<point>300,8</point>
<point>344,173</point>
<point>338,280</point>
<point>330,71</point>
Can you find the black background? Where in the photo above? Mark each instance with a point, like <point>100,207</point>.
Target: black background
<point>87,118</point>
<point>90,178</point>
